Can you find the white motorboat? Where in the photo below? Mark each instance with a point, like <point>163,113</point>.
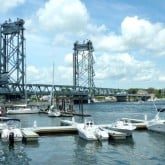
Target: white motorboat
<point>123,126</point>
<point>157,124</point>
<point>89,131</point>
<point>138,123</point>
<point>3,123</point>
<point>12,130</point>
<point>22,109</point>
<point>54,111</point>
<point>114,134</point>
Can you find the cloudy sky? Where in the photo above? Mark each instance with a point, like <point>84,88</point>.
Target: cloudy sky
<point>128,37</point>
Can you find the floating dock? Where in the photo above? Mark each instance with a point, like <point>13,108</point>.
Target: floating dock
<point>32,134</point>
<point>57,130</point>
<point>112,134</point>
<point>70,126</point>
<point>29,135</point>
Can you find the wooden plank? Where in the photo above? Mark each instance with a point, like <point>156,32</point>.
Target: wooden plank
<point>29,135</point>
<point>58,129</point>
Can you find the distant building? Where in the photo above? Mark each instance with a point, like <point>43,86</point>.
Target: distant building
<point>142,92</point>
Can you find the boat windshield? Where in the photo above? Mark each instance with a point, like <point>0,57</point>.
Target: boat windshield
<point>13,123</point>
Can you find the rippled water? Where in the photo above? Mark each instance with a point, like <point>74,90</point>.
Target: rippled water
<point>143,148</point>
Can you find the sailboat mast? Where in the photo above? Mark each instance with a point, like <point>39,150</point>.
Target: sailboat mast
<point>52,97</point>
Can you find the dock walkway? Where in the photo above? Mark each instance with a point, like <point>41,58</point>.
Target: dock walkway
<point>70,126</point>
<point>29,134</point>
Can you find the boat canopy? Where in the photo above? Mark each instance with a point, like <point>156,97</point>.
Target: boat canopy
<point>13,119</point>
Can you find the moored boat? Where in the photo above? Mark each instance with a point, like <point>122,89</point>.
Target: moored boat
<point>22,109</point>
<point>89,131</point>
<point>138,123</point>
<point>123,126</point>
<point>3,122</point>
<point>54,111</point>
<point>157,124</point>
<point>12,131</point>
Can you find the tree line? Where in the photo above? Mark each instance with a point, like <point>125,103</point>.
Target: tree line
<point>159,93</point>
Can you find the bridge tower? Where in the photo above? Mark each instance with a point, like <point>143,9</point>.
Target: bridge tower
<point>12,54</point>
<point>83,61</point>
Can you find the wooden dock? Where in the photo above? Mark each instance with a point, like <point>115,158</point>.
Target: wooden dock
<point>55,130</point>
<point>70,127</point>
<point>29,135</point>
<point>32,134</point>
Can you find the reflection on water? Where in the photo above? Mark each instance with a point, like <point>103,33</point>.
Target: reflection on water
<point>31,144</point>
<point>85,151</point>
<point>143,148</point>
<point>89,146</point>
<point>128,141</point>
<point>15,155</point>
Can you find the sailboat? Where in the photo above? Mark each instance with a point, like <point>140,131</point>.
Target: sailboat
<point>22,108</point>
<point>53,110</point>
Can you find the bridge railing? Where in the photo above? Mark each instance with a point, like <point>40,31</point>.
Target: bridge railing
<point>46,89</point>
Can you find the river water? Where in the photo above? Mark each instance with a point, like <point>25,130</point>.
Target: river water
<point>143,148</point>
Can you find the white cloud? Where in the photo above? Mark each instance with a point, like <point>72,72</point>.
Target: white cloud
<point>109,43</point>
<point>63,15</point>
<point>41,75</point>
<point>6,5</point>
<point>64,22</point>
<point>69,60</point>
<point>65,75</point>
<point>124,67</point>
<point>142,34</point>
<point>61,39</point>
<point>162,78</point>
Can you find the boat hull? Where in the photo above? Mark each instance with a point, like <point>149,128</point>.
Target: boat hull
<point>16,133</point>
<point>92,133</point>
<point>126,131</point>
<point>158,126</point>
<point>22,111</point>
<point>54,114</point>
<point>123,126</point>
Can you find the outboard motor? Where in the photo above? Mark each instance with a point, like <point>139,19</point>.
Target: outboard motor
<point>11,139</point>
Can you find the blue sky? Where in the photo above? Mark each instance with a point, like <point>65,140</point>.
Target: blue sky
<point>128,37</point>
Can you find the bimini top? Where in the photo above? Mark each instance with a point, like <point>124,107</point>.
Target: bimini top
<point>13,119</point>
